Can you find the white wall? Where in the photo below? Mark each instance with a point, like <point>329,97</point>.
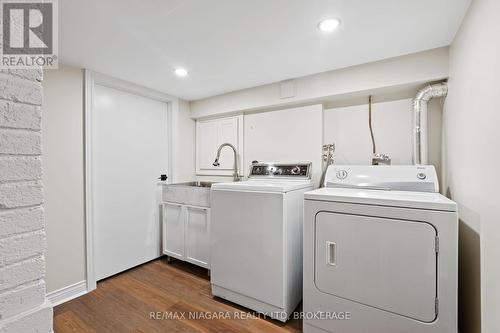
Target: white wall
<point>63,156</point>
<point>184,128</point>
<point>22,232</point>
<point>472,135</point>
<point>289,135</point>
<point>388,75</point>
<point>347,127</point>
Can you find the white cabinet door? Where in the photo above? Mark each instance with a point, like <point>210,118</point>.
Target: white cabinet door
<point>206,144</point>
<point>173,230</point>
<point>210,134</point>
<point>227,132</point>
<point>198,236</point>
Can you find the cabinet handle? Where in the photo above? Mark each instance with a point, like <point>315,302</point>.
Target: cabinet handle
<point>331,253</point>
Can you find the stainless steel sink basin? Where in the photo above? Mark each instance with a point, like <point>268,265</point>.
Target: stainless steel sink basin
<point>195,193</point>
<point>196,184</point>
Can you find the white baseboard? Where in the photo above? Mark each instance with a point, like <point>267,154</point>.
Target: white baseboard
<point>68,293</point>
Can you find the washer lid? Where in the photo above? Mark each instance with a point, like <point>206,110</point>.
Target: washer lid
<point>263,186</point>
<point>406,199</point>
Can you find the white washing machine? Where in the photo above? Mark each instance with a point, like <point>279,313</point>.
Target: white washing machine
<point>380,252</point>
<point>256,238</point>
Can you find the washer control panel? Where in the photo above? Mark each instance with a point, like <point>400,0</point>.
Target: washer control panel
<point>288,170</point>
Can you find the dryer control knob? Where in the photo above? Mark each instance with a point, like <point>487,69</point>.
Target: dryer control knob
<point>421,175</point>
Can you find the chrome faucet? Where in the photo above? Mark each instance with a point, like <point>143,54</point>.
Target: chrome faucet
<point>216,163</point>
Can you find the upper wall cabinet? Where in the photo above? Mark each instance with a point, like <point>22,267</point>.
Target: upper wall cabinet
<point>210,134</point>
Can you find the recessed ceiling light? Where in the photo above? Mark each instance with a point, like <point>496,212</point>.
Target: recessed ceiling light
<point>181,72</point>
<point>328,25</point>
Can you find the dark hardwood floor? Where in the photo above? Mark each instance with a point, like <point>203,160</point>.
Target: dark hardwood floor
<point>153,298</point>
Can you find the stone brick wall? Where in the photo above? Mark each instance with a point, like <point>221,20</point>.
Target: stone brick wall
<point>23,307</point>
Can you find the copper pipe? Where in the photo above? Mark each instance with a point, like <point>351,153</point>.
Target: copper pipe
<point>370,123</point>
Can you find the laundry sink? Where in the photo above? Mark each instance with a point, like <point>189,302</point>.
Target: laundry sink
<point>195,184</point>
<point>195,193</point>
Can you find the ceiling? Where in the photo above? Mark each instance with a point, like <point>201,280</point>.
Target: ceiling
<point>228,45</point>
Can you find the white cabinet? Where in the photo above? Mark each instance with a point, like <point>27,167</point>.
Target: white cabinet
<point>197,236</point>
<point>210,134</point>
<point>206,145</point>
<point>186,233</point>
<point>173,230</point>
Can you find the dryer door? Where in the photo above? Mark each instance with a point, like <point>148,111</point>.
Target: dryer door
<point>387,264</point>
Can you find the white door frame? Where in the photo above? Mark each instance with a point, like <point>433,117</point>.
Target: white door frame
<point>91,79</point>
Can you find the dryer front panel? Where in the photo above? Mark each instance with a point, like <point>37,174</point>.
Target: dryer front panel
<point>388,264</point>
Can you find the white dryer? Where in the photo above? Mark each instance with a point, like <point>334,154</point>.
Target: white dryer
<point>380,252</point>
<point>256,238</point>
